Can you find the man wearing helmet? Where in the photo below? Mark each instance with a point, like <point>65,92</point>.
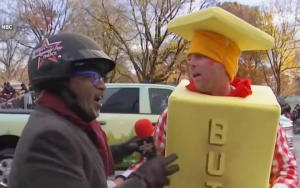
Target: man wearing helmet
<point>62,144</point>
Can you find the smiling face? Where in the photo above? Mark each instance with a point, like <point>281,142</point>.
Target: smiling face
<point>209,76</point>
<point>89,88</point>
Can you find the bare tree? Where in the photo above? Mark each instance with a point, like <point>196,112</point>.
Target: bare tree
<point>12,55</point>
<point>41,18</point>
<point>280,22</point>
<point>89,26</point>
<point>250,14</point>
<point>140,29</point>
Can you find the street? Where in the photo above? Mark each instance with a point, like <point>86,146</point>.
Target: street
<point>297,147</point>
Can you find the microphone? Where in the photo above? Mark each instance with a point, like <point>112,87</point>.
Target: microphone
<point>144,130</point>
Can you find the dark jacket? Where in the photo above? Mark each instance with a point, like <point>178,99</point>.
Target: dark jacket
<point>54,153</point>
<point>8,90</point>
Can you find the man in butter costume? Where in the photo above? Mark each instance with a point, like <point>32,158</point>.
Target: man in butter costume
<point>213,73</point>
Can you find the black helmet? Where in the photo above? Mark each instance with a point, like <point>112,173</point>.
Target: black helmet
<point>57,55</point>
<point>55,59</point>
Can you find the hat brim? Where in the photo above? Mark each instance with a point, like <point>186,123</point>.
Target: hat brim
<point>93,58</point>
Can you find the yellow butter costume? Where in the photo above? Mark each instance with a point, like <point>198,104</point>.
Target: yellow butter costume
<point>228,142</point>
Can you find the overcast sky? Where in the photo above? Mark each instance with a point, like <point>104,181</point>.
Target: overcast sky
<point>250,2</point>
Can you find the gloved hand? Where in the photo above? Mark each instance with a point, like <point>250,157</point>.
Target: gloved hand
<point>130,146</point>
<point>155,171</point>
<point>123,150</point>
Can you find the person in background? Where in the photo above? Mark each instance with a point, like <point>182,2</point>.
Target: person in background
<point>297,108</point>
<point>8,91</point>
<point>2,99</point>
<point>24,88</point>
<point>33,96</point>
<point>63,145</point>
<point>286,110</point>
<point>4,85</point>
<point>30,87</point>
<point>27,98</point>
<point>294,115</point>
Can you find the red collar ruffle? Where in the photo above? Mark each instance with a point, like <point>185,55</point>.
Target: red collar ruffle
<point>242,87</point>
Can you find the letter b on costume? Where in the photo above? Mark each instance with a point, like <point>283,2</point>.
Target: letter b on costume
<point>217,132</point>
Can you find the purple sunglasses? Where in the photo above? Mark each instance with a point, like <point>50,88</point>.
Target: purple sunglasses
<point>95,78</point>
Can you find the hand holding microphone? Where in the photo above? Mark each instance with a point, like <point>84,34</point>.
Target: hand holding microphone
<point>119,152</point>
<point>132,145</point>
<point>155,171</point>
<point>146,146</point>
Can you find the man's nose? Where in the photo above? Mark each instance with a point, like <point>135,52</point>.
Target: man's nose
<point>192,60</point>
<point>191,63</point>
<point>101,85</point>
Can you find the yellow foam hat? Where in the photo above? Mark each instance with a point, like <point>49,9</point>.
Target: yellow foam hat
<point>215,19</point>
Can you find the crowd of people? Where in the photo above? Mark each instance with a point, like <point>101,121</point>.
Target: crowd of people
<point>12,98</point>
<point>293,115</point>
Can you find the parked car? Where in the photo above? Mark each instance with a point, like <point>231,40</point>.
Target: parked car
<point>281,101</point>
